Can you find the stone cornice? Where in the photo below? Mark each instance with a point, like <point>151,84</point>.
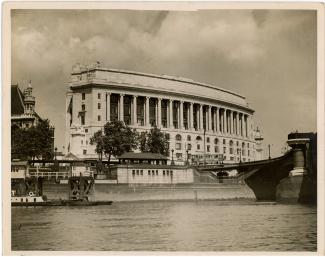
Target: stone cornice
<point>140,90</point>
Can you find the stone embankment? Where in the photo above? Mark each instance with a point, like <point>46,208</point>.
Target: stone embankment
<point>119,193</point>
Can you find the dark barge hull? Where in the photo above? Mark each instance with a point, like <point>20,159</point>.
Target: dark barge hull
<point>62,203</point>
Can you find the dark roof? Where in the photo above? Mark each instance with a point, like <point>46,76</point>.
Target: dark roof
<point>17,101</point>
<point>142,156</point>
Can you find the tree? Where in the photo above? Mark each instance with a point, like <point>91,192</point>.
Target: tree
<point>142,141</point>
<point>154,142</point>
<point>114,140</point>
<point>35,142</point>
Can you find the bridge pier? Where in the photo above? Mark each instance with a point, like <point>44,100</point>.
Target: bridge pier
<point>299,186</point>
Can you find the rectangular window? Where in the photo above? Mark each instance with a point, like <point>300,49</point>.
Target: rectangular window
<point>224,150</point>
<point>178,146</point>
<point>83,107</point>
<point>141,172</point>
<point>157,172</point>
<point>137,172</point>
<point>86,130</point>
<point>163,172</point>
<point>83,96</point>
<point>84,152</point>
<point>216,149</point>
<point>82,117</point>
<point>198,147</point>
<point>148,172</point>
<point>98,106</point>
<point>98,117</point>
<point>98,96</point>
<point>208,148</point>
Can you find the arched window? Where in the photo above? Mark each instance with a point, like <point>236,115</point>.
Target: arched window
<point>198,138</point>
<point>216,141</point>
<point>188,138</point>
<point>231,143</point>
<point>178,137</point>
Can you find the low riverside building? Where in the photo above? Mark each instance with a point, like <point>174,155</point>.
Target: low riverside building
<point>153,174</point>
<point>150,168</point>
<point>203,123</point>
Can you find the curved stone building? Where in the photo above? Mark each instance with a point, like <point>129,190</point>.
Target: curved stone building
<point>199,119</point>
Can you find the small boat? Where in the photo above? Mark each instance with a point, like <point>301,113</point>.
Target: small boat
<point>33,201</point>
<point>81,202</point>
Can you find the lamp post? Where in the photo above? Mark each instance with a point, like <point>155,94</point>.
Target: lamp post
<point>55,150</point>
<point>240,155</point>
<point>269,151</point>
<point>172,163</point>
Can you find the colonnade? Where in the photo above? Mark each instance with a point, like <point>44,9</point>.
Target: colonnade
<point>179,114</point>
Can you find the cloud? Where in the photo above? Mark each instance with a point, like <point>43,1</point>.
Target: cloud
<point>269,56</point>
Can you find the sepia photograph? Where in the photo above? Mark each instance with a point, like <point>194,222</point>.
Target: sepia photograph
<point>163,128</point>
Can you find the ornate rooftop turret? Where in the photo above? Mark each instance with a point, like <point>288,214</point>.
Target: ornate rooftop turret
<point>29,99</point>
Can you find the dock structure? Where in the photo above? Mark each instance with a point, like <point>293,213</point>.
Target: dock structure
<point>81,188</point>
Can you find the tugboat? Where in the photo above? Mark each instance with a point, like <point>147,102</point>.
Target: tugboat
<point>28,191</point>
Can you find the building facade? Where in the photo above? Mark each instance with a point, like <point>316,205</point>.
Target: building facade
<point>202,122</point>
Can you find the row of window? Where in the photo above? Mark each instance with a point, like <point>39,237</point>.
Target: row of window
<point>152,172</point>
<point>83,96</point>
<point>178,146</point>
<point>178,137</point>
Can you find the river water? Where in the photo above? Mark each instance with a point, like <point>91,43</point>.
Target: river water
<point>167,226</point>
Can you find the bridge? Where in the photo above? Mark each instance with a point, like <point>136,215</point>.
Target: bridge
<point>288,177</point>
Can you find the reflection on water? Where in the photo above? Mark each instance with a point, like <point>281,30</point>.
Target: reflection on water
<point>166,226</point>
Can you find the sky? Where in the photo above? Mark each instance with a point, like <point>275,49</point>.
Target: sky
<point>269,56</point>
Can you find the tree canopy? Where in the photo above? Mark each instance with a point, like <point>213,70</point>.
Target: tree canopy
<point>115,139</point>
<point>154,141</point>
<point>34,142</point>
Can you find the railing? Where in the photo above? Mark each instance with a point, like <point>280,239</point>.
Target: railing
<point>49,174</point>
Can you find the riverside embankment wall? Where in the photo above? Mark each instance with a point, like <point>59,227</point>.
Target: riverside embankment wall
<point>162,192</point>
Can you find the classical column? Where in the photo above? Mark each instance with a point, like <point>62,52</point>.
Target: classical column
<point>245,120</point>
<point>159,113</point>
<point>121,118</point>
<point>147,111</point>
<point>181,122</point>
<point>217,120</point>
<point>108,106</point>
<point>240,124</point>
<point>231,122</point>
<point>135,118</point>
<point>191,117</point>
<point>249,126</point>
<point>210,118</point>
<point>171,122</point>
<point>224,123</point>
<point>201,117</point>
<point>237,121</point>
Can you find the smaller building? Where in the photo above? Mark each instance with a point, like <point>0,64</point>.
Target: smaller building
<point>19,169</point>
<point>149,168</point>
<point>150,158</point>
